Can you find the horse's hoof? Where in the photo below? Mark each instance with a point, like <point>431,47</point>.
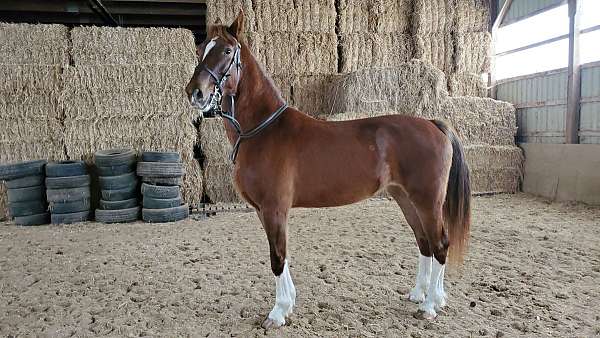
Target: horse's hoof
<point>440,303</point>
<point>270,323</point>
<point>426,315</point>
<point>416,296</point>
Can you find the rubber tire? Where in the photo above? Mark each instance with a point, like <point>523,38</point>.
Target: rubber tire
<point>38,219</point>
<point>68,195</point>
<point>25,182</point>
<point>117,182</point>
<point>27,208</point>
<point>162,180</point>
<point>160,191</point>
<point>120,194</point>
<point>69,207</point>
<point>35,193</point>
<point>115,157</point>
<point>118,215</point>
<point>161,156</point>
<point>21,169</point>
<point>160,169</point>
<point>66,168</point>
<point>70,218</point>
<point>161,203</point>
<point>68,182</point>
<point>165,215</point>
<point>116,205</point>
<point>115,170</point>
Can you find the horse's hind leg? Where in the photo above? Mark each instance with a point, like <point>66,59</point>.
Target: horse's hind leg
<point>416,294</point>
<point>274,222</point>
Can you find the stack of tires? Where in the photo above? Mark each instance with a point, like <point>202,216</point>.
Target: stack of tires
<point>119,186</point>
<point>161,173</point>
<point>26,193</point>
<point>68,192</point>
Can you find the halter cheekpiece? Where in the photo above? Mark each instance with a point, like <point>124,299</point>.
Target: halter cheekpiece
<point>217,99</point>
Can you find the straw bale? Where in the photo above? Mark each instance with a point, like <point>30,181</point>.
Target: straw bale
<point>480,157</point>
<point>30,130</point>
<point>30,80</point>
<point>374,16</point>
<point>436,49</point>
<point>472,15</point>
<point>413,88</point>
<point>432,16</point>
<point>284,84</point>
<point>373,50</point>
<point>138,91</point>
<point>227,10</point>
<point>481,120</point>
<point>218,169</point>
<point>34,44</point>
<point>317,16</point>
<point>467,84</point>
<point>495,180</point>
<point>295,53</point>
<point>312,94</point>
<point>3,202</point>
<point>472,52</point>
<point>132,46</point>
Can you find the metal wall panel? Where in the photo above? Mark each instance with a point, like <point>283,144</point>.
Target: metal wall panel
<point>541,102</point>
<point>523,8</point>
<point>589,130</point>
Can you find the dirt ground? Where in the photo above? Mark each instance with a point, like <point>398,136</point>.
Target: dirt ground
<point>533,270</point>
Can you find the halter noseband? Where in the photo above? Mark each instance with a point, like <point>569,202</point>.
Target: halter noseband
<point>216,103</point>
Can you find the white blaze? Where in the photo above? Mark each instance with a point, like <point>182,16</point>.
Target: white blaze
<point>209,46</point>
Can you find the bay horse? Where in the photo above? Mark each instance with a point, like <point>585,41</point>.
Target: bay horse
<point>286,159</point>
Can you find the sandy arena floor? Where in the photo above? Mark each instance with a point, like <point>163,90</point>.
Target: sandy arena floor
<point>533,270</point>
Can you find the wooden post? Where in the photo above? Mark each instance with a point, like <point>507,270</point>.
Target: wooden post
<point>573,76</point>
<point>494,30</point>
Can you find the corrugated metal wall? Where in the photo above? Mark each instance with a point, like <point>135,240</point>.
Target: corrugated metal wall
<point>589,131</point>
<point>541,102</point>
<point>521,8</point>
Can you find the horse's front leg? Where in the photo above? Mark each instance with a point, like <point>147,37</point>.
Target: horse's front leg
<point>274,222</point>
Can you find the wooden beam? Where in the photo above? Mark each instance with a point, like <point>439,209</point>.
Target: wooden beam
<point>573,75</point>
<point>492,75</point>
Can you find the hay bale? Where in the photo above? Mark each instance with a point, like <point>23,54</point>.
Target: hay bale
<point>436,49</point>
<point>3,202</point>
<point>131,46</point>
<point>481,120</point>
<point>284,84</point>
<point>295,53</point>
<point>34,44</point>
<point>28,81</point>
<point>432,16</point>
<point>227,10</point>
<point>495,168</point>
<point>373,50</point>
<point>218,169</point>
<point>312,94</point>
<point>467,84</point>
<point>413,88</point>
<point>472,52</point>
<point>472,16</point>
<point>126,91</point>
<point>317,16</point>
<point>374,16</point>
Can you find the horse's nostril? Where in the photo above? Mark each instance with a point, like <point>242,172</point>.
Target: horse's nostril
<point>197,94</point>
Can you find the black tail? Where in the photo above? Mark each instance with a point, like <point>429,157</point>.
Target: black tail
<point>457,207</point>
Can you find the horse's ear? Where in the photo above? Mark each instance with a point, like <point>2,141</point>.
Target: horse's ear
<point>237,27</point>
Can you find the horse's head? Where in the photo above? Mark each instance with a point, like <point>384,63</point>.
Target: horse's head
<point>219,67</point>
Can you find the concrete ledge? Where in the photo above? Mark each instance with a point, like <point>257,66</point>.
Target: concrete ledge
<point>563,172</point>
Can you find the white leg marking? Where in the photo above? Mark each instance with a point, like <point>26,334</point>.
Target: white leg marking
<point>209,46</point>
<point>440,300</point>
<point>433,296</point>
<point>417,294</point>
<point>285,299</point>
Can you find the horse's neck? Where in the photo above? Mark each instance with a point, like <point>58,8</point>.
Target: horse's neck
<point>256,99</point>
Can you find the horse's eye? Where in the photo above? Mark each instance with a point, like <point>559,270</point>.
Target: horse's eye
<point>227,51</point>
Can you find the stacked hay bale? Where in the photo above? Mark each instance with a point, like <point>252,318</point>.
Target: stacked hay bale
<point>472,46</point>
<point>32,58</point>
<point>374,33</point>
<point>296,43</point>
<point>126,88</point>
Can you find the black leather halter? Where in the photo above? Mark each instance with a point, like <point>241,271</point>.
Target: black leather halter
<point>230,115</point>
